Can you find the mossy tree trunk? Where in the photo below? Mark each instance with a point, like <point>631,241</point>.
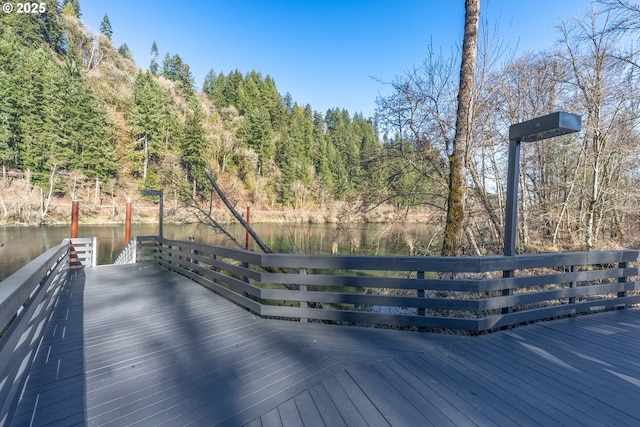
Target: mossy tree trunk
<point>458,160</point>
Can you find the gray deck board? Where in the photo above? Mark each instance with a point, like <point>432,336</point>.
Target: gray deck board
<point>578,386</point>
<point>390,403</point>
<point>138,345</point>
<point>287,415</point>
<point>456,394</point>
<point>348,411</point>
<point>428,410</point>
<point>309,413</point>
<point>326,407</point>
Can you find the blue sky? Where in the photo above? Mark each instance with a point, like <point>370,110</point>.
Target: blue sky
<point>327,53</point>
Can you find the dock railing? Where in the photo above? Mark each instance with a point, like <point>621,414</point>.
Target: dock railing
<point>84,252</point>
<point>27,299</point>
<point>433,293</point>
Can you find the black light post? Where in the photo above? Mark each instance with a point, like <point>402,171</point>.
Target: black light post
<point>554,124</point>
<point>159,193</point>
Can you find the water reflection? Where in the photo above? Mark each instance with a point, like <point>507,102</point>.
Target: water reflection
<point>22,244</point>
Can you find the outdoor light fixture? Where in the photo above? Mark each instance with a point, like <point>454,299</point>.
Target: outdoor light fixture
<point>159,193</point>
<point>554,124</point>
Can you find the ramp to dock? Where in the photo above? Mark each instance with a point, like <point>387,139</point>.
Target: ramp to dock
<point>139,345</point>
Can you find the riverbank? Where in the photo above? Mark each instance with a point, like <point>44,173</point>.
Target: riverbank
<point>146,212</point>
<point>24,204</point>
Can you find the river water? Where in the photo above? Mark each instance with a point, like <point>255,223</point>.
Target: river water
<point>22,244</point>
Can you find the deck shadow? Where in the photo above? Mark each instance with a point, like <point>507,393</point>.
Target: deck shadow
<point>54,394</point>
<point>162,349</point>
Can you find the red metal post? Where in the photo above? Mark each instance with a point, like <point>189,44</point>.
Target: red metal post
<point>75,207</point>
<point>246,234</point>
<point>127,223</point>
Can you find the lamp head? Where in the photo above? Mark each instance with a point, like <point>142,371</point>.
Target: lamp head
<point>554,124</point>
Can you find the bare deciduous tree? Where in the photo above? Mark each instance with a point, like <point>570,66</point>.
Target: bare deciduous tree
<point>605,89</point>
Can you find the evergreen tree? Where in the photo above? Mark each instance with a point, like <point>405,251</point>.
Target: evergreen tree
<point>38,112</point>
<point>150,121</point>
<point>153,66</point>
<point>301,131</point>
<point>213,87</point>
<point>74,5</point>
<point>321,160</point>
<point>286,163</point>
<point>256,133</point>
<point>124,51</point>
<point>230,89</point>
<point>339,150</point>
<point>249,96</point>
<point>53,119</point>
<point>294,155</point>
<point>84,131</point>
<point>366,148</point>
<point>33,29</point>
<point>68,11</point>
<point>174,69</point>
<point>272,102</point>
<point>192,149</point>
<point>105,27</point>
<point>11,62</point>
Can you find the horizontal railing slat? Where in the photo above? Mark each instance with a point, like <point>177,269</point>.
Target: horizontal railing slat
<point>370,318</point>
<point>225,292</point>
<point>555,294</point>
<point>556,311</point>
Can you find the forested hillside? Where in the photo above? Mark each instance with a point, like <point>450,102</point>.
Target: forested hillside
<point>76,111</point>
<point>79,119</point>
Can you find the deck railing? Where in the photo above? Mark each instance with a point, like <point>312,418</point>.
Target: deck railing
<point>85,252</point>
<point>128,254</point>
<point>27,299</point>
<point>441,293</point>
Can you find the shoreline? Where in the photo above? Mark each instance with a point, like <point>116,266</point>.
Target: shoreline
<point>338,213</point>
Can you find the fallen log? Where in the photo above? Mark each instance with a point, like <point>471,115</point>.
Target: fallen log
<point>223,197</point>
<point>254,235</point>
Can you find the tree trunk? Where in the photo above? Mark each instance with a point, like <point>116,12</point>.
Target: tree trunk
<point>4,207</point>
<point>96,198</point>
<point>458,160</point>
<point>52,182</point>
<point>146,159</point>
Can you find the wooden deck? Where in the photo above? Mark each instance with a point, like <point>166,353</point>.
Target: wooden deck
<point>137,345</point>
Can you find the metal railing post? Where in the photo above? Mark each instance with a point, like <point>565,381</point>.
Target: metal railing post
<point>420,276</point>
<point>94,254</point>
<point>622,279</point>
<point>303,288</point>
<point>135,249</point>
<point>193,251</point>
<point>572,300</point>
<point>507,274</point>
